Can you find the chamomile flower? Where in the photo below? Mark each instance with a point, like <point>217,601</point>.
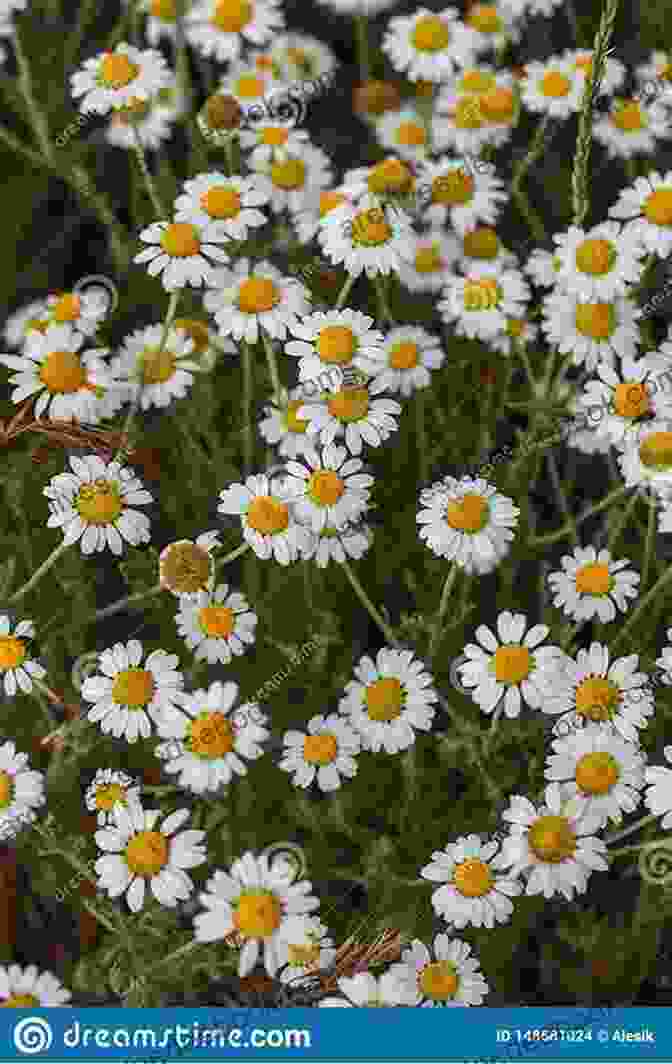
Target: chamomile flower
<point>309,950</point>
<point>153,120</point>
<point>511,668</point>
<point>25,988</point>
<point>645,460</point>
<point>405,361</point>
<point>552,88</point>
<point>325,754</point>
<point>338,544</point>
<point>208,741</point>
<point>16,664</point>
<point>283,429</point>
<point>294,177</point>
<point>267,519</point>
<point>480,305</point>
<point>542,266</point>
<point>368,991</point>
<point>153,375</point>
<point>518,332</point>
<point>385,181</point>
<point>461,195</point>
<point>336,338</point>
<point>106,789</point>
<point>631,128</point>
<point>138,854</point>
<point>658,797</point>
<point>481,251</point>
<point>388,700</point>
<point>447,976</point>
<point>613,74</point>
<point>32,315</point>
<point>185,253</point>
<point>493,26</point>
<point>353,413</point>
<point>472,894</point>
<point>655,76</point>
<point>222,28</point>
<point>596,691</point>
<point>467,121</point>
<point>600,773</point>
<point>187,567</point>
<point>95,505</point>
<point>367,237</point>
<point>229,204</point>
<point>216,625</point>
<point>83,311</point>
<point>469,522</point>
<point>623,399</point>
<point>592,584</point>
<point>593,330</point>
<point>434,253</point>
<point>645,208</point>
<point>553,851</point>
<point>300,57</point>
<point>428,45</point>
<point>256,902</point>
<point>250,298</point>
<point>21,791</point>
<point>273,140</point>
<point>404,131</point>
<point>114,79</point>
<point>248,81</point>
<point>161,20</point>
<point>598,263</point>
<point>328,487</point>
<point>128,695</point>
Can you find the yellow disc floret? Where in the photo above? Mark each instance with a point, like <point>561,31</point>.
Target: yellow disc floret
<point>147,853</point>
<point>384,699</point>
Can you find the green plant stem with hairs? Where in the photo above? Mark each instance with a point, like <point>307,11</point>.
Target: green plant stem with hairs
<point>535,152</point>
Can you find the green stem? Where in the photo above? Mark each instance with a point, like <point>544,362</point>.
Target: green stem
<point>248,438</point>
<point>368,605</point>
<point>652,594</point>
<point>421,434</point>
<point>121,604</point>
<point>650,541</point>
<point>272,364</point>
<point>232,556</point>
<point>37,118</point>
<point>362,47</point>
<point>39,573</point>
<point>443,606</point>
<point>345,292</point>
<point>566,530</point>
<point>633,827</point>
<point>385,314</point>
<point>619,527</point>
<point>562,501</point>
<point>159,209</point>
<point>535,152</point>
<point>177,954</point>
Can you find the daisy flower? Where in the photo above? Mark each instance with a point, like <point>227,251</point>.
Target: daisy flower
<point>658,797</point>
<point>106,789</point>
<point>338,544</point>
<point>127,695</point>
<point>493,26</point>
<point>405,361</point>
<point>368,991</point>
<point>210,738</point>
<point>216,625</point>
<point>152,375</point>
<point>309,951</point>
<point>613,75</point>
<point>481,304</point>
<point>267,519</point>
<point>16,665</point>
<point>591,584</point>
<point>274,139</point>
<point>113,79</point>
<point>645,208</point>
<point>592,330</point>
<point>554,851</point>
<point>631,128</point>
<point>328,488</point>
<point>221,28</point>
<point>295,177</point>
<point>137,854</point>
<point>84,312</point>
<point>333,338</point>
<point>404,131</point>
<point>460,195</point>
<point>24,988</point>
<point>229,204</point>
<point>153,120</point>
<point>300,57</point>
<point>249,298</point>
<point>351,412</point>
<point>367,237</point>
<point>249,80</point>
<point>161,19</point>
<point>388,700</point>
<point>646,456</point>
<point>513,668</point>
<point>32,315</point>
<point>625,398</point>
<point>182,251</point>
<point>187,566</point>
<point>325,754</point>
<point>552,88</point>
<point>472,894</point>
<point>598,263</point>
<point>256,902</point>
<point>518,332</point>
<point>447,978</point>
<point>428,45</point>
<point>653,78</point>
<point>390,179</point>
<point>600,773</point>
<point>543,266</point>
<point>469,522</point>
<point>21,791</point>
<point>433,254</point>
<point>482,252</point>
<point>466,121</point>
<point>282,428</point>
<point>596,691</point>
<point>94,503</point>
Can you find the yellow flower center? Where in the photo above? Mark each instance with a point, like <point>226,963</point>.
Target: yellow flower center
<point>430,34</point>
<point>475,81</point>
<point>196,331</point>
<point>666,72</point>
<point>163,9</point>
<point>596,320</point>
<point>320,749</point>
<point>218,621</point>
<point>628,117</point>
<point>303,956</point>
<point>222,112</point>
<point>390,175</point>
<point>656,452</point>
<point>594,579</point>
<point>257,295</point>
<point>554,84</point>
<point>274,136</point>
<point>131,111</point>
<point>186,568</point>
<point>512,664</point>
<point>180,240</point>
<point>439,981</point>
<point>473,878</point>
<point>454,188</point>
<point>232,15</point>
<point>468,114</point>
<point>481,243</point>
<point>411,134</point>
<point>404,355</point>
<point>631,399</point>
<point>551,838</point>
<point>329,200</point>
<point>584,62</point>
<point>498,104</point>
<point>99,503</point>
<point>658,207</point>
<point>294,423</point>
<point>210,735</point>
<point>325,487</point>
<point>289,174</point>
<point>133,688</point>
<point>37,324</point>
<point>257,914</point>
<point>108,795</point>
<point>6,789</point>
<point>597,698</point>
<point>370,228</point>
<point>147,853</point>
<point>428,259</point>
<point>20,1001</point>
<point>221,202</point>
<point>67,308</point>
<point>157,366</point>
<point>12,652</point>
<point>468,514</point>
<point>249,86</point>
<point>62,372</point>
<point>485,18</point>
<point>117,71</point>
<point>596,256</point>
<point>267,516</point>
<point>515,327</point>
<point>350,404</point>
<point>384,699</point>
<point>336,344</point>
<point>376,97</point>
<point>483,294</point>
<point>597,773</point>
